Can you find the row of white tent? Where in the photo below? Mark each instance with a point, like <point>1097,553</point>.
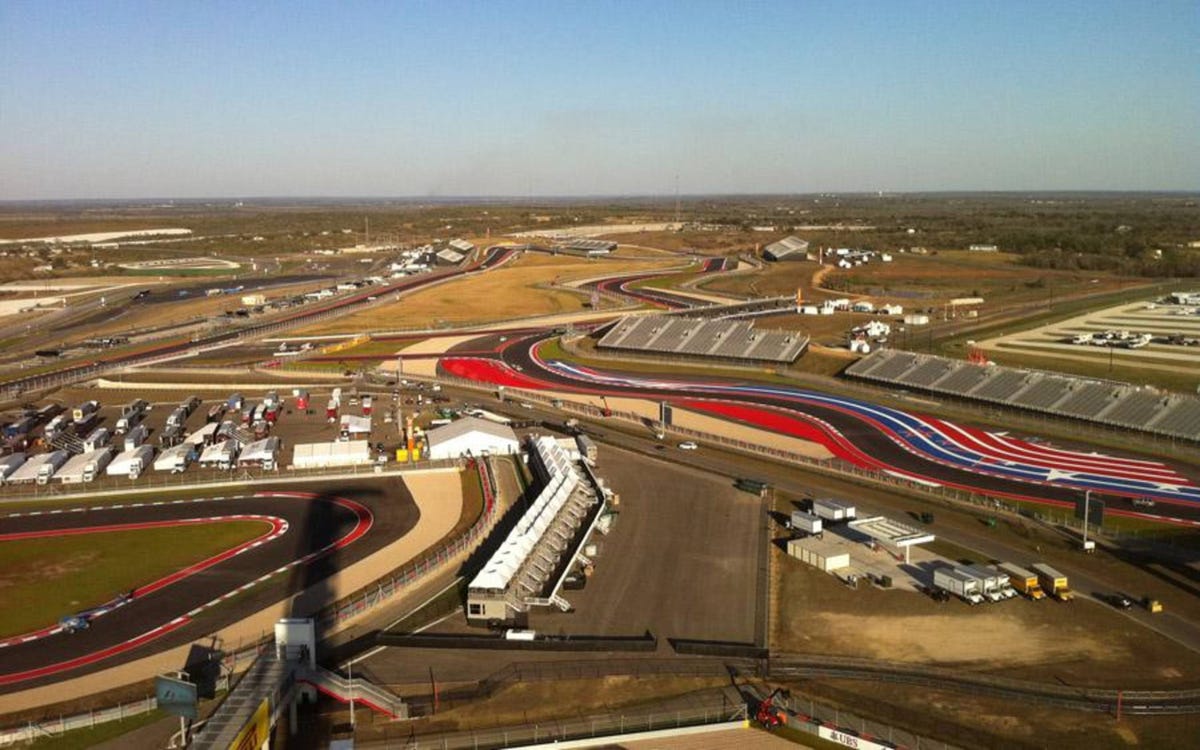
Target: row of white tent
<point>60,466</point>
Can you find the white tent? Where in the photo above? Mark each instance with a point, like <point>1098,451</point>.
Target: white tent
<point>311,455</point>
<point>471,435</point>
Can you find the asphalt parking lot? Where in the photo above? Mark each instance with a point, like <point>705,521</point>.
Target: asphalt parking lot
<point>682,561</point>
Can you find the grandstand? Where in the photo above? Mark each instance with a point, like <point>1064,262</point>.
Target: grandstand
<point>585,247</point>
<point>696,337</point>
<point>747,309</point>
<point>789,248</point>
<point>529,566</point>
<point>1097,401</point>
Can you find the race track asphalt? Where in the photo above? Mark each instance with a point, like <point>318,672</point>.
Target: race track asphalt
<point>863,436</point>
<point>313,524</point>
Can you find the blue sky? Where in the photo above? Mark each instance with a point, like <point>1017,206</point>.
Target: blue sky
<point>230,99</point>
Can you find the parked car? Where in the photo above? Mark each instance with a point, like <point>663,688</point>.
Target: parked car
<point>688,446</point>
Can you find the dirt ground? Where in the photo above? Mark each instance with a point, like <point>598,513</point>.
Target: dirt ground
<point>1083,641</point>
<point>976,722</point>
<point>507,292</point>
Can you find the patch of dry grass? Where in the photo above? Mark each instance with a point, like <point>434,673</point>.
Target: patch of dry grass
<point>514,290</point>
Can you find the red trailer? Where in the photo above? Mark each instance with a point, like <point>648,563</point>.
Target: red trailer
<point>331,410</point>
<point>302,400</point>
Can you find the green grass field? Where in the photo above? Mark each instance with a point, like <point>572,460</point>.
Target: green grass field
<point>43,579</point>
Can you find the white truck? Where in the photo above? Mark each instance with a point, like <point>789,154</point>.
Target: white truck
<point>965,587</point>
<point>991,581</point>
<point>128,422</point>
<point>50,466</point>
<point>132,463</point>
<point>85,467</point>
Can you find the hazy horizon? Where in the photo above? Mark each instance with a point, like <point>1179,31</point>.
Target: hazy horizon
<point>444,101</point>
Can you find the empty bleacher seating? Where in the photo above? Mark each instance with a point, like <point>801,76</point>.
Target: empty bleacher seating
<point>697,337</point>
<point>1104,402</point>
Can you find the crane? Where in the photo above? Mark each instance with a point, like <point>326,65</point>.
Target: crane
<point>768,714</point>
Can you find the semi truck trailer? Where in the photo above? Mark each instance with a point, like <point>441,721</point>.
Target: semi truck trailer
<point>132,463</point>
<point>96,439</point>
<point>9,464</point>
<point>833,510</point>
<point>85,467</point>
<point>806,522</point>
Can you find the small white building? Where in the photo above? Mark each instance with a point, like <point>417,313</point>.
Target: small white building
<point>825,556</point>
<point>892,310</point>
<point>471,435</point>
<point>916,320</point>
